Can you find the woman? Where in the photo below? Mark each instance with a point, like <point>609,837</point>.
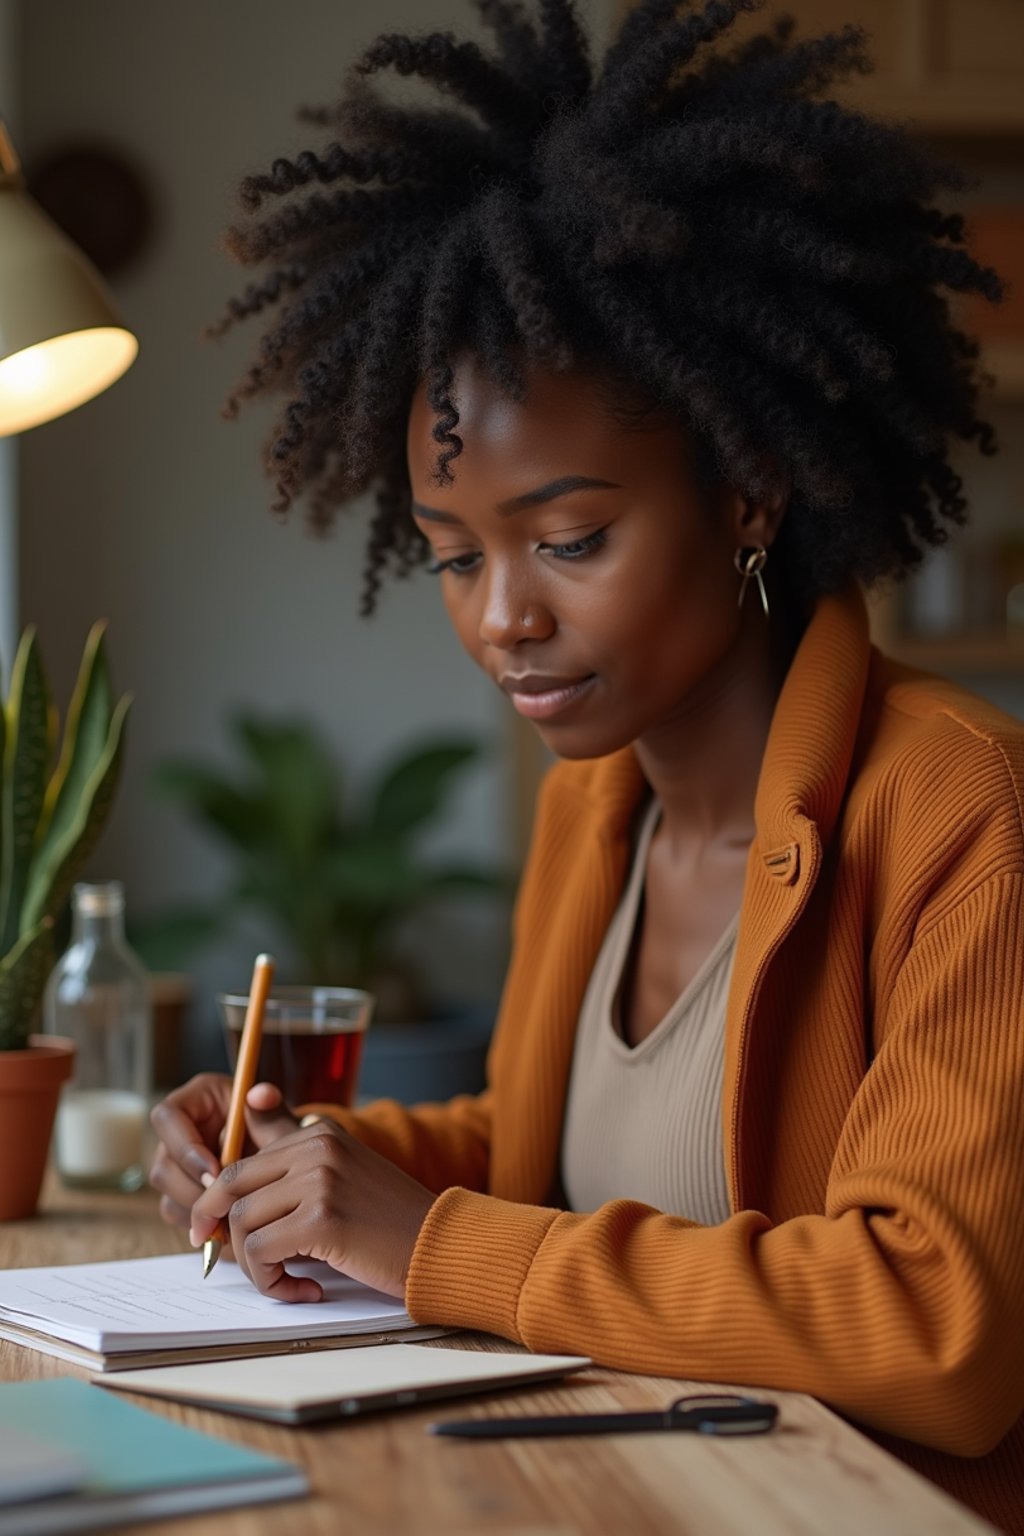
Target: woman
<point>655,370</point>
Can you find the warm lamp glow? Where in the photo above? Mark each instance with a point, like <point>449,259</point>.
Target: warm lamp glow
<point>61,340</point>
<point>54,376</point>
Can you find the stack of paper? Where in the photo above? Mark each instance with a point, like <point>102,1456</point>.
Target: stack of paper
<point>136,1312</point>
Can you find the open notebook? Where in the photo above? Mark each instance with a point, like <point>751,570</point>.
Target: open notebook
<point>305,1388</point>
<point>139,1312</point>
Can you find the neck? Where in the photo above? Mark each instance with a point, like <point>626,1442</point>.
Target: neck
<point>704,760</point>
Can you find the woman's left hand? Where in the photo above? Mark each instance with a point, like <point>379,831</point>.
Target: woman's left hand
<point>316,1194</point>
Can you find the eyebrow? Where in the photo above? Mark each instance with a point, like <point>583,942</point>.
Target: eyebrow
<point>554,488</point>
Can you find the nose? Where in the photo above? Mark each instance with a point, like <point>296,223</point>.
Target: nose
<point>511,613</point>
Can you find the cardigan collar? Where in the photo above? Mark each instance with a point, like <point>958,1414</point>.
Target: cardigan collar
<point>810,743</point>
<point>814,728</point>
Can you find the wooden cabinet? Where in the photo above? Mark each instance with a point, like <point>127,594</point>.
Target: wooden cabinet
<point>953,66</point>
<point>971,62</point>
<point>994,653</point>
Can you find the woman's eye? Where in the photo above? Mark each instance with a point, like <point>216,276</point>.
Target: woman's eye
<point>461,565</point>
<point>578,548</point>
<point>575,549</point>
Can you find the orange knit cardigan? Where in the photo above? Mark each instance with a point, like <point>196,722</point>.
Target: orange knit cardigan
<point>873,1099</point>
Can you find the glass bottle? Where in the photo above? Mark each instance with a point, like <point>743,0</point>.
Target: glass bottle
<point>98,995</point>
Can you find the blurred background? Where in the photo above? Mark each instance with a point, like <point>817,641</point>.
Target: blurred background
<point>135,123</point>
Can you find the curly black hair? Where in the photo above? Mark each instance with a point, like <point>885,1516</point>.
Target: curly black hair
<point>693,222</point>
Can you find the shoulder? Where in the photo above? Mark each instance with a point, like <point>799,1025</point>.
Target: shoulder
<point>919,723</point>
<point>937,784</point>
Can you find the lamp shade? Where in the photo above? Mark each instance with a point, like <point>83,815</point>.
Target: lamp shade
<point>61,339</point>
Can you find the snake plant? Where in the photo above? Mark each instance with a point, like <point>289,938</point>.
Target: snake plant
<point>52,809</point>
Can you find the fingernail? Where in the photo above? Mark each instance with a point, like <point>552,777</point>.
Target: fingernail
<point>192,1237</point>
<point>206,1179</point>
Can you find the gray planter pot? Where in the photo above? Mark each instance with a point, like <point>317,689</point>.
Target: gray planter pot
<point>430,1061</point>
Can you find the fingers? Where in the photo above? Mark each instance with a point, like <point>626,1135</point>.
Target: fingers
<point>266,1229</point>
<point>175,1185</point>
<point>263,1240</point>
<point>178,1118</point>
<point>175,1215</point>
<point>186,1122</point>
<point>235,1182</point>
<point>189,1122</point>
<point>267,1117</point>
<point>263,1096</point>
<point>320,1194</point>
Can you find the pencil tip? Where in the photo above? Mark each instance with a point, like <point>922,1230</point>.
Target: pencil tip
<point>211,1252</point>
<point>264,959</point>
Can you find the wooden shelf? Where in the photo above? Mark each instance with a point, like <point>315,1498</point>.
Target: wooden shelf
<point>1005,361</point>
<point>958,117</point>
<point>960,653</point>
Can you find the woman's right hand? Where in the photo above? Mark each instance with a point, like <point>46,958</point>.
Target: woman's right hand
<point>190,1124</point>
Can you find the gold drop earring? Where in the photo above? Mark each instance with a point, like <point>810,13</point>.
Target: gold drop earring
<point>750,562</point>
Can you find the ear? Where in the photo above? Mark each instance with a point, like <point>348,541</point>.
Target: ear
<point>756,519</point>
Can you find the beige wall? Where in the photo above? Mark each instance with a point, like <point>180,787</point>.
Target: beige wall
<point>146,507</point>
<point>9,84</point>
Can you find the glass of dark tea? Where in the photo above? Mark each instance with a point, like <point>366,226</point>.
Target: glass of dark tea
<point>312,1040</point>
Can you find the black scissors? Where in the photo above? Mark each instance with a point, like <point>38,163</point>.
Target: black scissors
<point>722,1413</point>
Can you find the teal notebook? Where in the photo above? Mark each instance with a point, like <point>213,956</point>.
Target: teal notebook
<point>138,1465</point>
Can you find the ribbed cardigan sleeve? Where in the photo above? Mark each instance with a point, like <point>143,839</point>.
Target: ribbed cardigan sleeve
<point>900,1304</point>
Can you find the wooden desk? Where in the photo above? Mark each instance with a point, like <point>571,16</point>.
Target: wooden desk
<point>382,1474</point>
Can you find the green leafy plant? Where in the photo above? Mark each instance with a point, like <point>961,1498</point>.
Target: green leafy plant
<point>52,810</point>
<point>333,883</point>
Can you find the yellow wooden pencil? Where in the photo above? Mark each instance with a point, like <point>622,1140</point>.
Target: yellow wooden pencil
<point>245,1077</point>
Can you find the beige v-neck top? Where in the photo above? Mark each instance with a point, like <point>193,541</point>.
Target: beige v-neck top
<point>644,1122</point>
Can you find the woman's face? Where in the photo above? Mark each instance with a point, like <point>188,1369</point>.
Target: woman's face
<point>583,568</point>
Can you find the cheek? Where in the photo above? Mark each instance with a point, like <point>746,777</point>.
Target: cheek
<point>671,619</point>
<point>461,611</point>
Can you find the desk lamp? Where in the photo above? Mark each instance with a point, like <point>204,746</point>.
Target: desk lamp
<point>61,339</point>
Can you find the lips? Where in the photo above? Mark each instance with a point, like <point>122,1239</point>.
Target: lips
<point>539,682</point>
<point>539,696</point>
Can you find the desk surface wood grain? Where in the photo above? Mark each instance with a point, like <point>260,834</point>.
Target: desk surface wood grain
<point>383,1474</point>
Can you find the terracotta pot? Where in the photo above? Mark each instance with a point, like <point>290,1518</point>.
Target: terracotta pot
<point>30,1083</point>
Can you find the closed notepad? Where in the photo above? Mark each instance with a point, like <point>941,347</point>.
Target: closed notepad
<point>302,1388</point>
<point>138,1465</point>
